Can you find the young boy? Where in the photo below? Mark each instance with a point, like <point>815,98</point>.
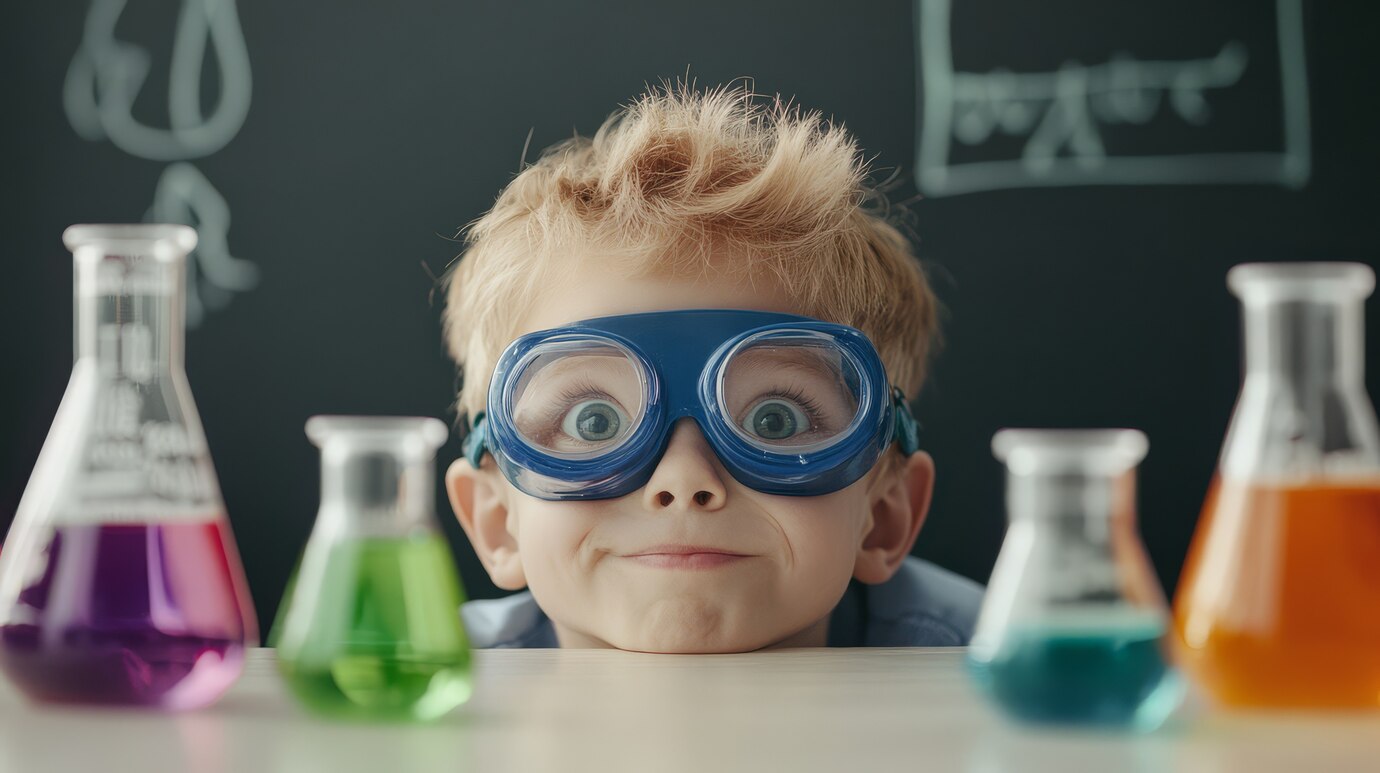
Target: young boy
<point>688,348</point>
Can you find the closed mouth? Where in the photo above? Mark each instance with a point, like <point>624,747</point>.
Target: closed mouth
<point>686,556</point>
<point>684,550</point>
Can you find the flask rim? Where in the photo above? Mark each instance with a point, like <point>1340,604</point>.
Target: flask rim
<point>164,240</point>
<point>1110,451</point>
<point>377,432</point>
<point>1306,281</point>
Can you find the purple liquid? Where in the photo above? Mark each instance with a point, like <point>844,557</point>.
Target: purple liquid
<point>134,614</point>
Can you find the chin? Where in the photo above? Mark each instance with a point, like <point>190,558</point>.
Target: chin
<point>689,627</point>
<point>679,644</point>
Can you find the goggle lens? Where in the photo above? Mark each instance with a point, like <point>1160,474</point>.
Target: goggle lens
<point>578,400</point>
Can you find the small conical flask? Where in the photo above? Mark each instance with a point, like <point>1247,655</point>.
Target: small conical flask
<point>120,582</point>
<point>1279,601</point>
<point>1073,624</point>
<point>370,623</point>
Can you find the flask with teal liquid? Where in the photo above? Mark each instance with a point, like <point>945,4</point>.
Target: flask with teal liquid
<point>1072,629</point>
<point>370,624</point>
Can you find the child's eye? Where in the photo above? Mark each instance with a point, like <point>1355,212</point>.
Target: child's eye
<point>593,421</point>
<point>775,419</point>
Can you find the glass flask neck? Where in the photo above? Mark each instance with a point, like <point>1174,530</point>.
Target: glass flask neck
<point>1071,558</point>
<point>1091,503</point>
<point>129,297</point>
<point>1304,339</point>
<point>1071,475</point>
<point>1303,408</point>
<point>1071,500</point>
<point>377,474</point>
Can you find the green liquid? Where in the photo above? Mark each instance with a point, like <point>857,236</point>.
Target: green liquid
<point>374,631</point>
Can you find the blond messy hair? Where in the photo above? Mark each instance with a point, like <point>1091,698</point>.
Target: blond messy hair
<point>682,182</point>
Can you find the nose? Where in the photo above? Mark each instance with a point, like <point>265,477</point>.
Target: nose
<point>687,477</point>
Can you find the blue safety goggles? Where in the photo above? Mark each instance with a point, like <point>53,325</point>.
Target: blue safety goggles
<point>791,405</point>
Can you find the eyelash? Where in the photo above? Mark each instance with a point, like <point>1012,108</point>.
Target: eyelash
<point>812,409</point>
<point>571,395</point>
<point>582,390</point>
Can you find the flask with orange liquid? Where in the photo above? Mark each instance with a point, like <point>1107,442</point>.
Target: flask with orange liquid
<point>1279,602</point>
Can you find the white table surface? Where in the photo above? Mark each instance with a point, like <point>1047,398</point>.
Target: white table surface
<point>575,710</point>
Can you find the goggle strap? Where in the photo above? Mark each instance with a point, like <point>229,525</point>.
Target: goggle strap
<point>474,442</point>
<point>907,428</point>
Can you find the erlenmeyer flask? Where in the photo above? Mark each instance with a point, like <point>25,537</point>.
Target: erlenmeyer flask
<point>120,582</point>
<point>370,624</point>
<point>1072,626</point>
<point>1279,602</point>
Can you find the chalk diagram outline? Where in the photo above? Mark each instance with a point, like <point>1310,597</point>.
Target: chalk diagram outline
<point>103,81</point>
<point>1061,110</point>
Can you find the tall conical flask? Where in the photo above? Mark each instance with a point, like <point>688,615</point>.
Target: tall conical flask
<point>1074,626</point>
<point>370,624</point>
<point>120,582</point>
<point>1279,601</point>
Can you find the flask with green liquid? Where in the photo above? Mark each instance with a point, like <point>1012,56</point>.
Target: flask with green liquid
<point>370,624</point>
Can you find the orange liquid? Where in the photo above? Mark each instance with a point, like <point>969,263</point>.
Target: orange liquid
<point>1279,603</point>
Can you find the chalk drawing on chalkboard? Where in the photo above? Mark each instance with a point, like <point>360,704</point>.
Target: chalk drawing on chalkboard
<point>104,80</point>
<point>106,75</point>
<point>184,195</point>
<point>1059,116</point>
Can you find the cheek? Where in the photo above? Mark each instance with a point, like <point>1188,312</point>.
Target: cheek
<point>552,534</point>
<point>823,532</point>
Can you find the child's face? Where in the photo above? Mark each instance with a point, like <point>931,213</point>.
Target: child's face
<point>694,561</point>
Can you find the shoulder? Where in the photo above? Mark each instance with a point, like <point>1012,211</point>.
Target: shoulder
<point>923,605</point>
<point>510,622</point>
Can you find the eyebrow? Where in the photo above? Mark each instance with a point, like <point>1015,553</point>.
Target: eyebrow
<point>582,362</point>
<point>815,364</point>
<point>589,366</point>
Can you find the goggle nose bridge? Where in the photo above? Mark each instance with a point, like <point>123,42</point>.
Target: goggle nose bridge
<point>659,450</point>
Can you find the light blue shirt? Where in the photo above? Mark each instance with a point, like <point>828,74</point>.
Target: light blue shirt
<point>921,606</point>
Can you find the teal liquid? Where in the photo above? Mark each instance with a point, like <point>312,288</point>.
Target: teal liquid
<point>1112,677</point>
<point>378,635</point>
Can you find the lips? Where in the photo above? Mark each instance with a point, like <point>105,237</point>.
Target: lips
<point>686,557</point>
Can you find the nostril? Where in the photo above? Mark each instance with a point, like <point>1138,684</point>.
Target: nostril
<point>665,498</point>
<point>702,498</point>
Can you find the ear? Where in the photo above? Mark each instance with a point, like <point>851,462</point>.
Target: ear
<point>898,506</point>
<point>480,503</point>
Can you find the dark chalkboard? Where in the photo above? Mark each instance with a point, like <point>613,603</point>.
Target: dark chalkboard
<point>1080,254</point>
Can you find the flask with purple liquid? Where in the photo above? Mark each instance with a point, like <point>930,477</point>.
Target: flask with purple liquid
<point>120,582</point>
